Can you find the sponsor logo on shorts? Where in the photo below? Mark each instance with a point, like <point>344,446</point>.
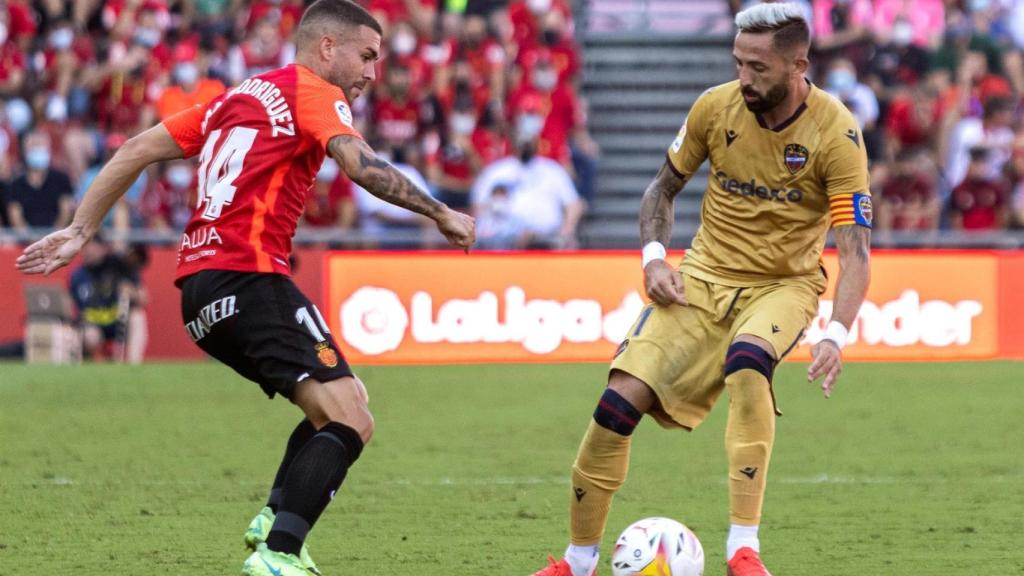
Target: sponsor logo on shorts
<point>210,315</point>
<point>328,357</point>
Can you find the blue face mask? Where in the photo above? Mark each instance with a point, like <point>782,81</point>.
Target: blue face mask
<point>841,81</point>
<point>37,158</point>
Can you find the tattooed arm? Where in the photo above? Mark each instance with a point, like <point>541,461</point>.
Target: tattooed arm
<point>664,285</point>
<point>384,181</point>
<point>854,244</point>
<point>656,207</point>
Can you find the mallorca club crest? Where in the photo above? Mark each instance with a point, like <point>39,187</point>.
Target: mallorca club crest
<point>795,156</point>
<point>328,357</point>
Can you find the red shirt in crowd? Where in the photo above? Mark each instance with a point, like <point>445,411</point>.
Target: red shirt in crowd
<point>525,24</point>
<point>979,203</point>
<point>560,109</point>
<point>322,211</point>
<point>907,196</point>
<point>396,122</point>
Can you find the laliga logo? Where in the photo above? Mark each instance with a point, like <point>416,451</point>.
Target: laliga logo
<point>374,320</point>
<point>905,321</point>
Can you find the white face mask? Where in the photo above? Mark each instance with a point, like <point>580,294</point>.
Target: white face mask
<point>403,44</point>
<point>538,6</point>
<point>463,123</point>
<point>62,38</point>
<point>902,33</point>
<point>37,158</point>
<point>545,80</point>
<point>3,33</point>
<point>186,73</point>
<point>179,177</point>
<point>528,126</point>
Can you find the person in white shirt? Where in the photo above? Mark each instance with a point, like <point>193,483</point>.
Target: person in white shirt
<point>540,194</point>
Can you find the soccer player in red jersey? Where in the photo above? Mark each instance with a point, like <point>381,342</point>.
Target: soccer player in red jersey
<point>260,145</point>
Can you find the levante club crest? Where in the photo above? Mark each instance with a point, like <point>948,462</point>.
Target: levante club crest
<point>795,157</point>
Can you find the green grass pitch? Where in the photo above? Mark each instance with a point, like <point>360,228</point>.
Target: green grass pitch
<point>910,469</point>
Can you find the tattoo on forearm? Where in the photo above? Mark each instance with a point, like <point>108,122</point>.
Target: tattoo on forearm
<point>854,240</point>
<point>656,213</point>
<point>379,177</point>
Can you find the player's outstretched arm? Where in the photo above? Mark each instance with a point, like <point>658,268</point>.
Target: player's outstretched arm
<point>664,285</point>
<point>384,181</point>
<point>59,248</point>
<point>854,246</point>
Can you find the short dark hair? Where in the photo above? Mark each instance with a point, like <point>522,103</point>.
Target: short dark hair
<point>785,22</point>
<point>337,12</point>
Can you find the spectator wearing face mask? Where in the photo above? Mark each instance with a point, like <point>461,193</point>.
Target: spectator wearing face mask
<point>169,203</point>
<point>981,201</point>
<point>330,202</point>
<point>190,87</point>
<point>40,197</point>
<point>526,16</point>
<point>127,213</point>
<point>841,82</point>
<point>395,109</point>
<point>554,106</point>
<point>553,44</point>
<point>262,50</point>
<point>459,160</point>
<point>926,18</point>
<point>404,48</point>
<point>484,55</point>
<point>540,192</point>
<point>896,63</point>
<point>992,132</point>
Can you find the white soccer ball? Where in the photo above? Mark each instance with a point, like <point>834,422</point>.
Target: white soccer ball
<point>657,547</point>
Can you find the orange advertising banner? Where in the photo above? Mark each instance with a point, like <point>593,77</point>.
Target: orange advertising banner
<point>443,308</point>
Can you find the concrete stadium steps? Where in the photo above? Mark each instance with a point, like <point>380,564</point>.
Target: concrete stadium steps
<point>640,87</point>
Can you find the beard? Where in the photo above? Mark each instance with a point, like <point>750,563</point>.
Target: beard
<point>765,102</point>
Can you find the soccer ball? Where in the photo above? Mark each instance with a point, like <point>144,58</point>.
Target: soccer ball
<point>657,547</point>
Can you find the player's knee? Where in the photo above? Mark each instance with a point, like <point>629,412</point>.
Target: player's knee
<point>349,438</point>
<point>615,413</point>
<point>747,356</point>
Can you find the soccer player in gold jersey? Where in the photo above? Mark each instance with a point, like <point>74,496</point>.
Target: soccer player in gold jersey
<point>787,162</point>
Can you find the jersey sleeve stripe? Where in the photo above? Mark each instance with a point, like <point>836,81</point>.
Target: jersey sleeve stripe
<point>668,160</point>
<point>263,263</point>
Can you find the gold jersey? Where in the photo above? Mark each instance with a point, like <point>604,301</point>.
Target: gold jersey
<point>772,192</point>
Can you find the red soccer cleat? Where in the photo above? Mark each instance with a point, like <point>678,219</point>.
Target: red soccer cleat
<point>559,568</point>
<point>747,562</point>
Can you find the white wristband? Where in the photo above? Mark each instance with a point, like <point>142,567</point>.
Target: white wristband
<point>837,333</point>
<point>652,251</point>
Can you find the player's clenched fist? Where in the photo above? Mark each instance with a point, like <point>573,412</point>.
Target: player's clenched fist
<point>664,285</point>
<point>828,362</point>
<point>458,228</point>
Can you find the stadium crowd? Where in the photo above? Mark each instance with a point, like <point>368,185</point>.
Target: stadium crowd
<point>462,86</point>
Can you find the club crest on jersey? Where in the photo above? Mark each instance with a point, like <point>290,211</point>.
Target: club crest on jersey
<point>326,355</point>
<point>795,156</point>
<point>344,112</point>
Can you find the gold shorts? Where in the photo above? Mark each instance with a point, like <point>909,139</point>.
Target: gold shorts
<point>679,351</point>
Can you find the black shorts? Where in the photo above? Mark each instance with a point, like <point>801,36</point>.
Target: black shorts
<point>262,326</point>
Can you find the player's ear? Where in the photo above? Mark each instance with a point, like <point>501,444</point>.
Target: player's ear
<point>801,64</point>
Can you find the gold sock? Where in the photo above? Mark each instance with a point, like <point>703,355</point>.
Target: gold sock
<point>599,471</point>
<point>748,442</point>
